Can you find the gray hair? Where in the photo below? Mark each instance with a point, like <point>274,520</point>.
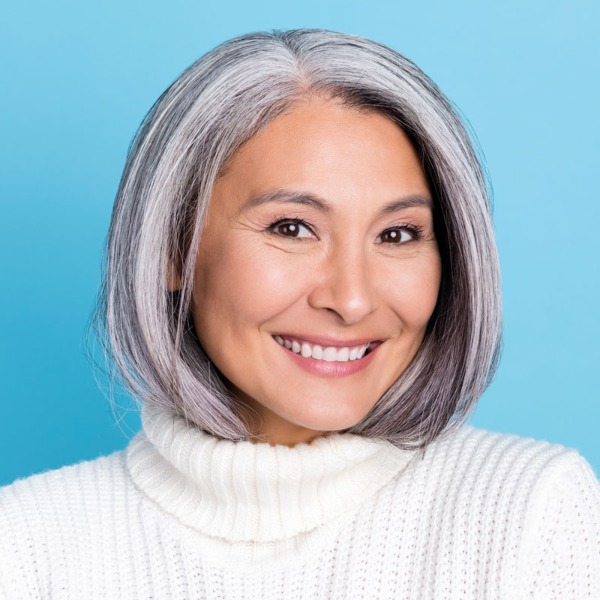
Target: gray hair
<point>178,153</point>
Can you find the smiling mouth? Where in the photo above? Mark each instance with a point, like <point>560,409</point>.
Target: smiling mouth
<point>326,353</point>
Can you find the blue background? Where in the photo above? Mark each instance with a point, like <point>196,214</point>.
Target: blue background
<point>77,78</point>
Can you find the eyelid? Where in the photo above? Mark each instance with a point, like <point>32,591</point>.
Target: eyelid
<point>415,232</point>
<point>294,220</point>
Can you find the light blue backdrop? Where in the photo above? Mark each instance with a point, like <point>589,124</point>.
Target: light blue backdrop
<point>77,78</point>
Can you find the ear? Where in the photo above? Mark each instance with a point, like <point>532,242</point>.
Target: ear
<point>173,277</point>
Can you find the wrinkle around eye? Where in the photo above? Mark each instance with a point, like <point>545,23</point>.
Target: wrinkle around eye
<point>409,250</point>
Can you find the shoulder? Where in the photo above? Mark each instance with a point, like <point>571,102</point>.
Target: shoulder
<point>60,515</point>
<point>44,493</point>
<point>61,497</point>
<point>481,455</point>
<point>64,495</point>
<point>493,467</point>
<point>533,505</point>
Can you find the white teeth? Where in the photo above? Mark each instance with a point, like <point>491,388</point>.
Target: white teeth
<point>343,354</point>
<point>329,354</point>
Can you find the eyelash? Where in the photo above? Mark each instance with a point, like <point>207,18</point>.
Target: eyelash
<point>415,231</point>
<point>285,221</point>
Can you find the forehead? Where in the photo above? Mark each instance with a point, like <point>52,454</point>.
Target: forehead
<point>354,160</point>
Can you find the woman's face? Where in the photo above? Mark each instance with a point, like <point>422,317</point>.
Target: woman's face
<point>320,237</point>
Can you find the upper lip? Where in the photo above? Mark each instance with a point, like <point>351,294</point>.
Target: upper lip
<point>325,341</point>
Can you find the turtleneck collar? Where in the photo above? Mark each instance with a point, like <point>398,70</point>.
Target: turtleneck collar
<point>245,491</point>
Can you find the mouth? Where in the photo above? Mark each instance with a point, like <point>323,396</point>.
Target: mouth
<point>324,352</point>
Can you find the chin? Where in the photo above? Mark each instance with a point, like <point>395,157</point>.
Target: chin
<point>303,417</point>
<point>336,419</point>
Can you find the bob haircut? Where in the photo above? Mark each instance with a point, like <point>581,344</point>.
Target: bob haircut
<point>179,151</point>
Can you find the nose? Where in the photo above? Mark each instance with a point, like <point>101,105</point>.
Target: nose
<point>344,285</point>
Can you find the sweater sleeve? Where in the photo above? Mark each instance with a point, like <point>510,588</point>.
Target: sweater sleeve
<point>560,556</point>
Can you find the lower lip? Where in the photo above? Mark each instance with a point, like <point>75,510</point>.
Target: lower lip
<point>331,368</point>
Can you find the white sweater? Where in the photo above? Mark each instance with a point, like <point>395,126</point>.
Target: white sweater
<point>180,514</point>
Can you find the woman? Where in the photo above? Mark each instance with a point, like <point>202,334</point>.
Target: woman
<point>302,289</point>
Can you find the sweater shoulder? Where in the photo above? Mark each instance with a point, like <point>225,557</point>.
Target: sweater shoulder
<point>525,511</point>
<point>62,500</point>
<point>73,485</point>
<point>502,478</point>
<point>64,513</point>
<point>74,499</point>
<point>476,454</point>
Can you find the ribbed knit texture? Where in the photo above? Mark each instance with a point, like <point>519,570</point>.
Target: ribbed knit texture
<point>180,514</point>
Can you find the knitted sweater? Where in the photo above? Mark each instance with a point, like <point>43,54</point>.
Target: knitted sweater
<point>181,514</point>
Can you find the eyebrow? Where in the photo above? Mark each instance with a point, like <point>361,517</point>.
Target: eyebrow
<point>314,201</point>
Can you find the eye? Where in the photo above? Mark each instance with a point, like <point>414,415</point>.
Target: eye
<point>291,228</point>
<point>398,235</point>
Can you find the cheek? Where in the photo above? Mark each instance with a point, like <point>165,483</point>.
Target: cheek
<point>412,289</point>
<point>242,283</point>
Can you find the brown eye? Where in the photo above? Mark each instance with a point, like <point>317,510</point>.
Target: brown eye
<point>396,235</point>
<point>291,229</point>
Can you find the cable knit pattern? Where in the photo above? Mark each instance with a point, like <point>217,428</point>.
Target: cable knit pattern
<point>180,514</point>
